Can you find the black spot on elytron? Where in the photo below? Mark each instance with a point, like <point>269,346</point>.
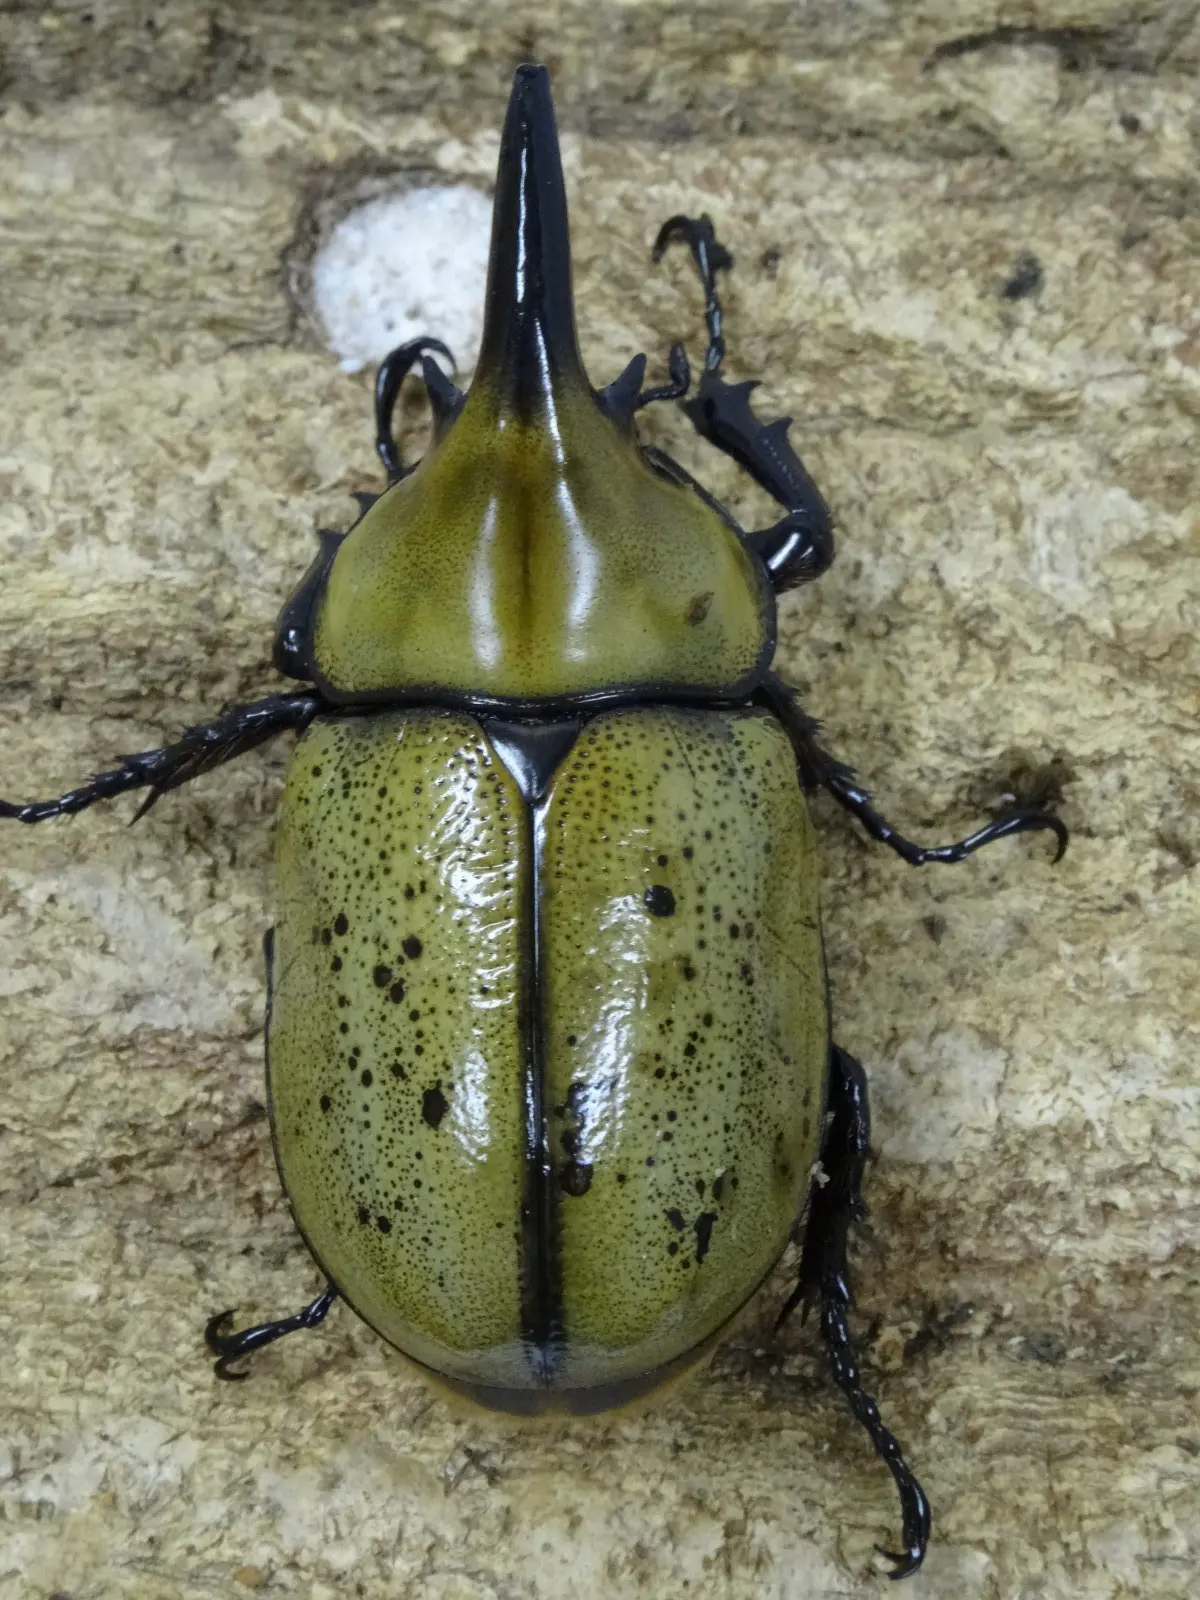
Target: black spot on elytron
<point>662,860</point>
<point>675,1218</point>
<point>673,1248</point>
<point>326,936</point>
<point>398,1071</point>
<point>660,902</point>
<point>718,1185</point>
<point>699,609</point>
<point>434,1105</point>
<point>688,852</point>
<point>396,992</point>
<point>316,772</point>
<point>622,1177</point>
<point>336,964</point>
<point>409,892</point>
<point>382,976</point>
<point>340,923</point>
<point>411,947</point>
<point>689,971</point>
<point>364,1216</point>
<point>571,1038</point>
<point>576,1177</point>
<point>367,1079</point>
<point>325,1102</point>
<point>384,1224</point>
<point>704,1227</point>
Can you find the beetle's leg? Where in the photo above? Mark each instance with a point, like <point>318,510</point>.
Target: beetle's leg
<point>200,750</point>
<point>818,769</point>
<point>799,547</point>
<point>825,1278</point>
<point>444,398</point>
<point>229,1347</point>
<point>681,376</point>
<point>711,257</point>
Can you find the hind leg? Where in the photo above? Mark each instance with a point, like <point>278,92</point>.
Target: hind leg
<point>825,1280</point>
<point>229,1347</point>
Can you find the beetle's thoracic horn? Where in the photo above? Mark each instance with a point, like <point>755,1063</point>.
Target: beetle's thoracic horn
<point>529,344</point>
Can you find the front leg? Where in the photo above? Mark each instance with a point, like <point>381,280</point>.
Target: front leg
<point>200,749</point>
<point>819,770</point>
<point>444,398</point>
<point>799,547</point>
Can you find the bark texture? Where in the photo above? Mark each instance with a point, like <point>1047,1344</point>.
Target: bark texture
<point>1014,606</point>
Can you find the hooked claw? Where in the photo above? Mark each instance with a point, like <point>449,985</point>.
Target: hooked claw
<point>225,1346</point>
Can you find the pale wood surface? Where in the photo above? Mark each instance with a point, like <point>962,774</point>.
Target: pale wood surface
<point>1014,483</point>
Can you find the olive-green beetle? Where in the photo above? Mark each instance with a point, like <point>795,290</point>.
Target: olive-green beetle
<point>549,1061</point>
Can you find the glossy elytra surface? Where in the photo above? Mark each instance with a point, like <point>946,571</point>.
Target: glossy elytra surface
<point>685,1023</point>
<point>547,1078</point>
<point>394,1044</point>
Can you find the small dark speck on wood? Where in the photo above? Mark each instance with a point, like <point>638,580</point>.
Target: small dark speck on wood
<point>1027,278</point>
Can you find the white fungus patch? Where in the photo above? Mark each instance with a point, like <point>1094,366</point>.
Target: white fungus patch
<point>405,265</point>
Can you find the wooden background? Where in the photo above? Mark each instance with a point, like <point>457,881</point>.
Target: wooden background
<point>1015,603</point>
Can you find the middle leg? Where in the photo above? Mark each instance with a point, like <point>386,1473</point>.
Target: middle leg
<point>199,750</point>
<point>819,770</point>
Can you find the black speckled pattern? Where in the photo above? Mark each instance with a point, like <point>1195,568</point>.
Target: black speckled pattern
<point>677,1021</point>
<point>686,1025</point>
<point>395,1056</point>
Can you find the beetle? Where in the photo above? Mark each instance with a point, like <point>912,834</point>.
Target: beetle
<point>550,1071</point>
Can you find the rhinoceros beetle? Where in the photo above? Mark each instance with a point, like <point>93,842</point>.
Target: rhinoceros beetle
<point>550,1072</point>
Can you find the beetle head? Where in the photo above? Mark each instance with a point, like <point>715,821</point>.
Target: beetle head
<point>536,554</point>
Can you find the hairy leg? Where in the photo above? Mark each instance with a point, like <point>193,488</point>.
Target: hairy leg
<point>201,748</point>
